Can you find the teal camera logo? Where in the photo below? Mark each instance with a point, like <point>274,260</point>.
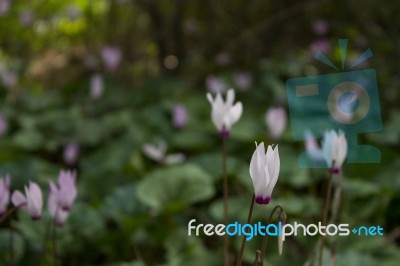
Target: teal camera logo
<point>346,100</point>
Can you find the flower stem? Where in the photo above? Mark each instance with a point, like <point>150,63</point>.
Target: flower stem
<point>225,192</point>
<point>11,243</point>
<point>54,232</point>
<point>43,250</point>
<point>8,213</point>
<point>325,217</point>
<point>239,262</point>
<point>265,241</point>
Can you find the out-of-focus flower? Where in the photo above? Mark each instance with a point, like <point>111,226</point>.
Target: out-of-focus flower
<point>67,192</point>
<point>4,7</point>
<point>4,194</point>
<point>111,56</point>
<point>334,149</point>
<point>96,87</point>
<point>264,171</point>
<point>55,211</point>
<point>3,125</point>
<point>313,150</point>
<point>61,198</point>
<point>71,153</point>
<point>215,85</point>
<point>179,116</point>
<point>8,78</point>
<point>223,59</point>
<point>159,153</point>
<point>320,27</point>
<point>32,202</point>
<point>276,121</point>
<point>243,80</point>
<point>320,45</point>
<point>26,17</point>
<point>73,12</point>
<point>225,114</point>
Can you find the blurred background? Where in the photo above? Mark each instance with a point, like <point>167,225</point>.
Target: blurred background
<point>116,89</point>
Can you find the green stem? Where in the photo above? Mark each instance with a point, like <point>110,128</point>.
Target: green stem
<point>265,241</point>
<point>239,262</point>
<point>8,213</point>
<point>54,234</point>
<point>43,250</point>
<point>225,192</point>
<point>11,243</point>
<point>325,216</point>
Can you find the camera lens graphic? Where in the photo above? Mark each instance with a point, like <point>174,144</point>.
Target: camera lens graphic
<point>348,102</point>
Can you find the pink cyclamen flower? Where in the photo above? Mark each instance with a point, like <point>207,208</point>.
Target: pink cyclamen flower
<point>55,211</point>
<point>4,194</point>
<point>320,27</point>
<point>8,78</point>
<point>243,80</point>
<point>276,121</point>
<point>179,116</point>
<point>3,125</point>
<point>225,114</point>
<point>26,17</point>
<point>96,86</point>
<point>66,191</point>
<point>4,6</point>
<point>71,153</point>
<point>320,45</point>
<point>32,202</point>
<point>264,171</point>
<point>215,85</point>
<point>111,56</point>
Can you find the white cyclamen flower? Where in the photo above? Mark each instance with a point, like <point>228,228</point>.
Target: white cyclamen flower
<point>264,172</point>
<point>334,149</point>
<point>225,114</point>
<point>159,153</point>
<point>4,194</point>
<point>32,202</point>
<point>276,121</point>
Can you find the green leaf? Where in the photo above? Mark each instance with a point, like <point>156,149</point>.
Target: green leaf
<point>175,187</point>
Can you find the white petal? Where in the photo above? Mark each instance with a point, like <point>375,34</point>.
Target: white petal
<point>175,158</point>
<point>152,152</point>
<point>276,166</point>
<point>18,198</point>
<point>210,98</point>
<point>230,98</point>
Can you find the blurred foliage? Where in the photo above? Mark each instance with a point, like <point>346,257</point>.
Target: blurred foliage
<point>134,211</point>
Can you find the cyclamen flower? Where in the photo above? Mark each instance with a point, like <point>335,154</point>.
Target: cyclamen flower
<point>66,193</point>
<point>55,211</point>
<point>4,194</point>
<point>179,116</point>
<point>32,202</point>
<point>26,17</point>
<point>334,149</point>
<point>4,6</point>
<point>314,152</point>
<point>71,153</point>
<point>158,153</point>
<point>264,172</point>
<point>243,80</point>
<point>225,114</point>
<point>3,125</point>
<point>96,87</point>
<point>276,121</point>
<point>215,85</point>
<point>111,57</point>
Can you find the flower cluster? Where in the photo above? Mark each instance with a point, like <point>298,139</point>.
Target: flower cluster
<point>60,200</point>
